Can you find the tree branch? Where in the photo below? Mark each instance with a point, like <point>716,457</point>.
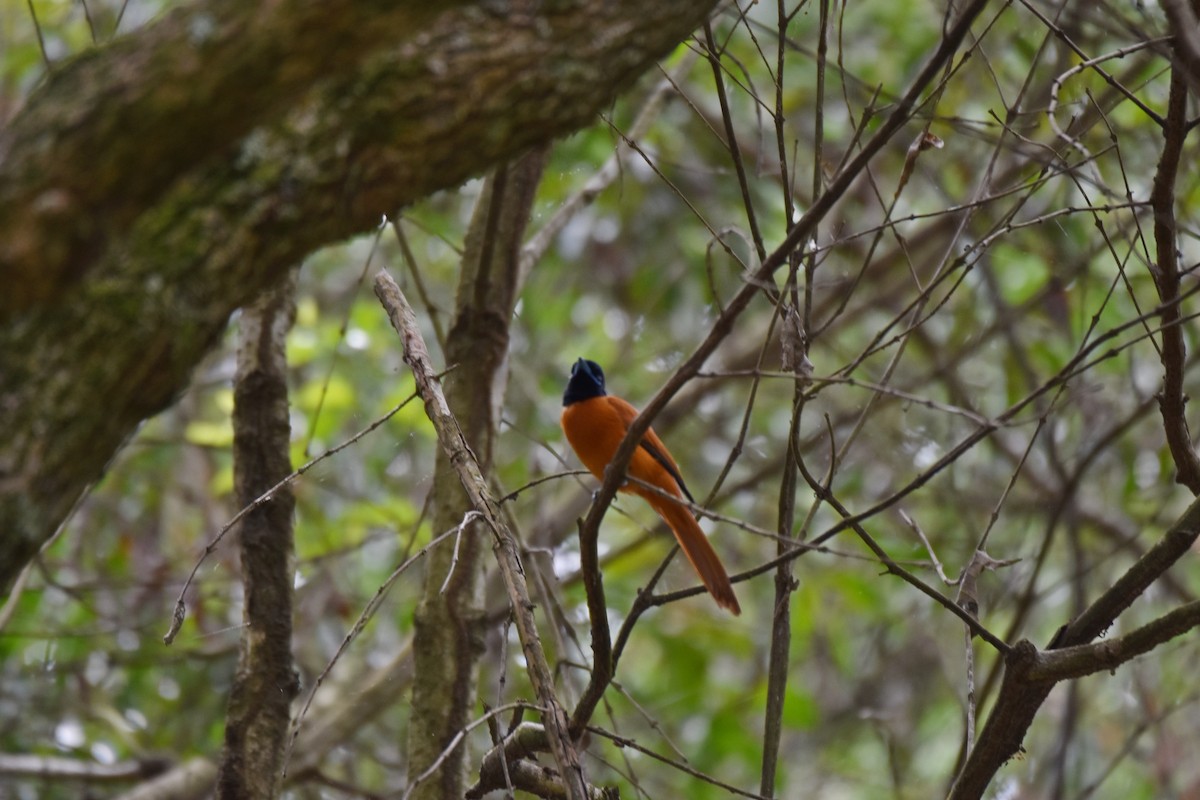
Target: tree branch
<point>124,317</point>
<point>1172,401</point>
<point>266,682</point>
<point>1021,695</point>
<point>61,769</point>
<point>1076,662</point>
<point>242,63</point>
<point>505,547</point>
<point>603,664</point>
<point>1185,28</point>
<point>449,621</point>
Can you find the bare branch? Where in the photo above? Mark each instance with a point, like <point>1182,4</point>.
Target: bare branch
<point>798,233</point>
<point>1087,659</point>
<point>1172,402</point>
<point>58,768</point>
<point>1186,27</point>
<point>451,439</point>
<point>1021,696</point>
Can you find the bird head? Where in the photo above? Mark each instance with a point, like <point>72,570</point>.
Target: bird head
<point>587,381</point>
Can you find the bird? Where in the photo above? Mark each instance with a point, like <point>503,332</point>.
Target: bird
<point>595,423</point>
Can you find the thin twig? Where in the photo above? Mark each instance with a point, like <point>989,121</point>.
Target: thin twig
<point>456,741</point>
<point>37,27</point>
<point>624,741</point>
<point>180,611</point>
<point>468,518</point>
<point>363,618</point>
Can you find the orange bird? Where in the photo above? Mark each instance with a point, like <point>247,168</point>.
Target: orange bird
<point>595,423</point>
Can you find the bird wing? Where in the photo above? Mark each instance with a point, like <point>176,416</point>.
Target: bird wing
<point>650,443</point>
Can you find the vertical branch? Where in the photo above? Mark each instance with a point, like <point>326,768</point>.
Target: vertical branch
<point>259,711</point>
<point>793,337</point>
<point>1171,401</point>
<point>778,661</point>
<point>467,468</point>
<point>818,156</point>
<point>735,152</point>
<point>603,663</point>
<point>448,636</point>
<point>1185,28</point>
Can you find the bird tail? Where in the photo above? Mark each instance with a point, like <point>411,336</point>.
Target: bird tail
<point>697,549</point>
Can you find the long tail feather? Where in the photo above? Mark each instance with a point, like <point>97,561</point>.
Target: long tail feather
<point>697,549</point>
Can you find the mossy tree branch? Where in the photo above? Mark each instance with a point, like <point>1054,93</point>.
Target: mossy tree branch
<point>106,333</point>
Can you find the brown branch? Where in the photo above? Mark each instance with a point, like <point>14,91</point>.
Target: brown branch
<point>455,744</point>
<point>126,325</point>
<point>1130,586</point>
<point>192,779</point>
<point>266,682</point>
<point>1186,40</point>
<point>505,545</point>
<point>1172,401</point>
<point>537,780</point>
<point>731,142</point>
<point>49,170</point>
<point>1021,695</point>
<point>603,664</point>
<point>625,741</point>
<point>518,747</point>
<point>1075,662</point>
<point>59,769</point>
<point>779,656</point>
<point>449,622</point>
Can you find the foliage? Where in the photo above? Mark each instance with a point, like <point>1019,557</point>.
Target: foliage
<point>935,305</point>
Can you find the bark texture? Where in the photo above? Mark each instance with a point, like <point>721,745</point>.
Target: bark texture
<point>200,203</point>
<point>256,724</point>
<point>154,105</point>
